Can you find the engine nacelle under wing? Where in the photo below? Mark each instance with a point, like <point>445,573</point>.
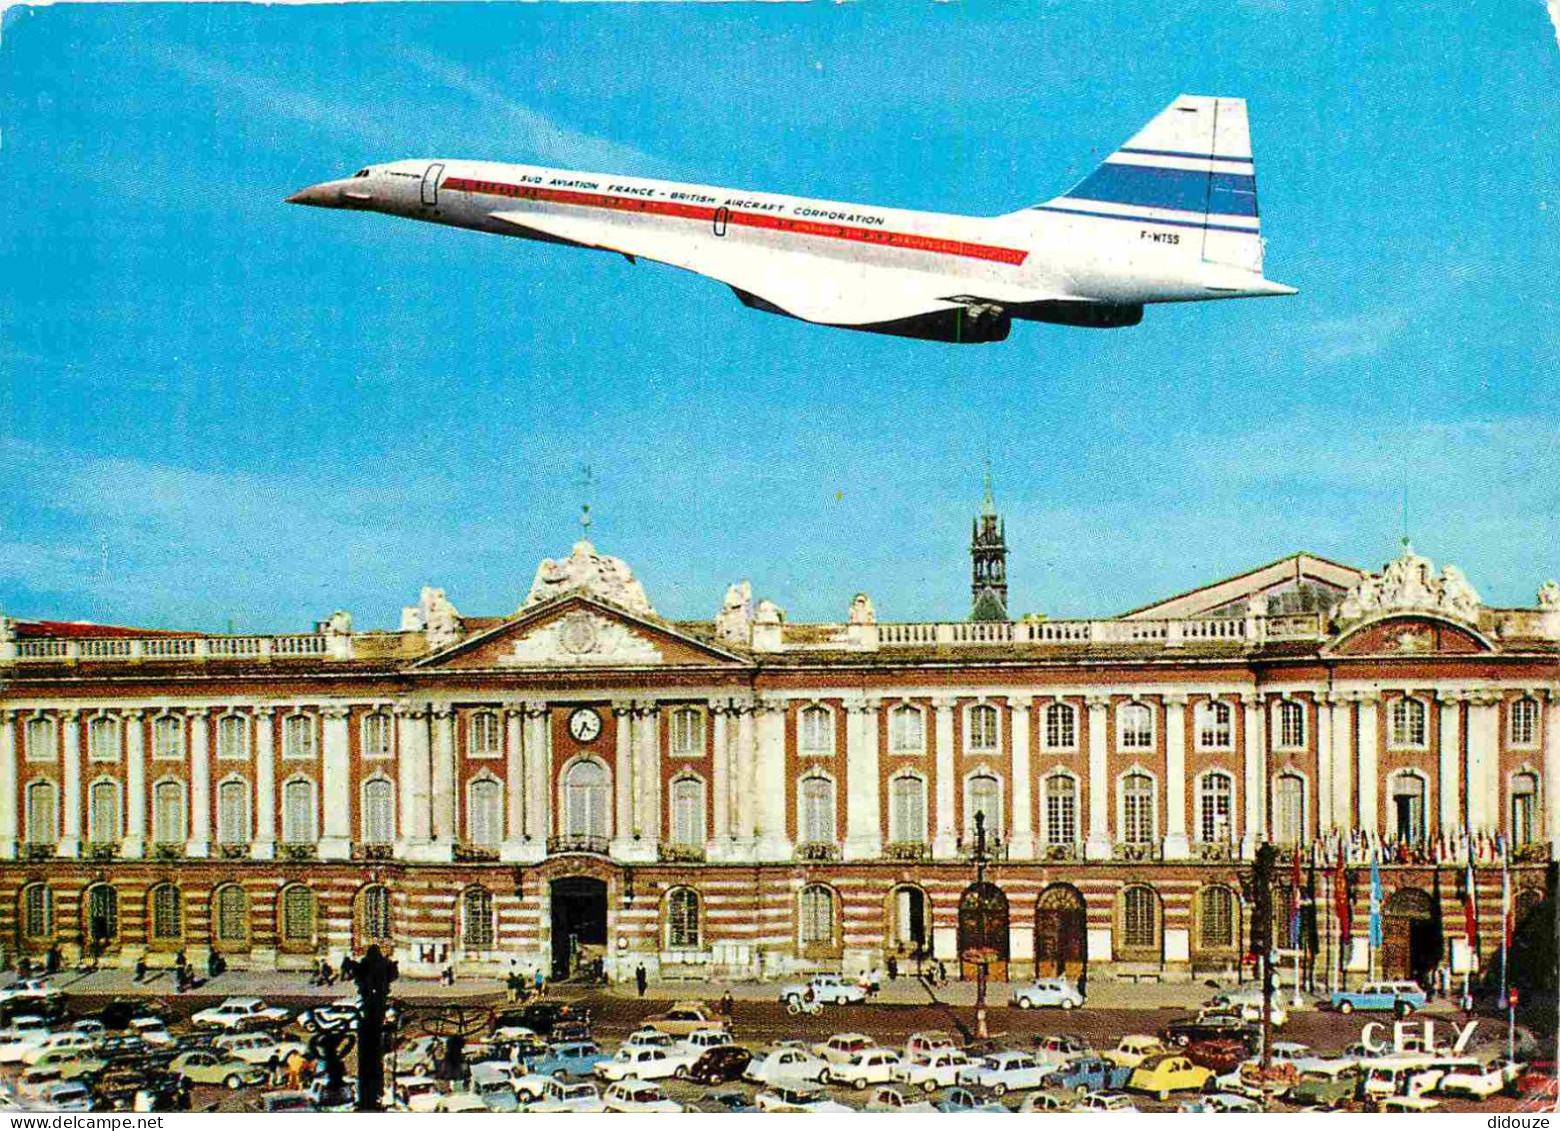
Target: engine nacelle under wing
<point>961,325</point>
<point>1089,315</point>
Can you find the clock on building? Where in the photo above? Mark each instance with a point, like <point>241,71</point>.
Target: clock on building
<point>584,725</point>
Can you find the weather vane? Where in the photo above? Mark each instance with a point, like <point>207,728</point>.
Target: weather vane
<point>586,482</point>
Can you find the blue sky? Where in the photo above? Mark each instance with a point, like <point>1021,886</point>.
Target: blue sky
<point>218,409</point>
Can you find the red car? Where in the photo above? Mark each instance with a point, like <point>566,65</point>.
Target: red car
<point>1537,1077</point>
<point>1220,1055</point>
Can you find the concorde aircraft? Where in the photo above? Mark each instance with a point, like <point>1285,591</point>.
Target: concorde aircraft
<point>1169,217</point>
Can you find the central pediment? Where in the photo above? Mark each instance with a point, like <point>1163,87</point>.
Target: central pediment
<point>579,631</point>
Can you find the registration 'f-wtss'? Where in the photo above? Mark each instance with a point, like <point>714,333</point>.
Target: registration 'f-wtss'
<point>1169,217</point>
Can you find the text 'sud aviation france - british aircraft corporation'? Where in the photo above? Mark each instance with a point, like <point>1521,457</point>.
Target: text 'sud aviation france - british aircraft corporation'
<point>1169,217</point>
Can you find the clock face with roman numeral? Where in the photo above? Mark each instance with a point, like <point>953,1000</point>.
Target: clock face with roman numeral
<point>584,725</point>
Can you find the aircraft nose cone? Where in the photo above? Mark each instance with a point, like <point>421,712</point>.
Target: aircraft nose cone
<point>320,196</point>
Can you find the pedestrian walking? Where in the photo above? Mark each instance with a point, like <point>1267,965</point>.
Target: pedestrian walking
<point>641,979</point>
<point>893,968</point>
<point>512,985</point>
<point>540,982</point>
<point>140,969</point>
<point>727,1005</point>
<point>1083,982</point>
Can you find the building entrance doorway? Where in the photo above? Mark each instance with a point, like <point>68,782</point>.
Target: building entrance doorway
<point>1411,942</point>
<point>909,926</point>
<point>579,925</point>
<point>983,932</point>
<point>1061,932</point>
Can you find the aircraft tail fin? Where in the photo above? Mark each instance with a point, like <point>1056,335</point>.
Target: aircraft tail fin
<point>1191,167</point>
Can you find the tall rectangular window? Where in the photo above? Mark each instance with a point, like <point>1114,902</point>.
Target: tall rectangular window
<point>906,732</point>
<point>687,732</point>
<point>376,735</point>
<point>168,814</point>
<point>1214,731</point>
<point>486,735</point>
<point>168,737</point>
<point>1137,809</point>
<point>233,738</point>
<point>103,739</point>
<point>233,813</point>
<point>1137,726</point>
<point>907,810</point>
<point>298,816</point>
<point>298,737</point>
<point>42,743</point>
<point>818,811</point>
<point>1291,724</point>
<point>1524,722</point>
<point>485,820</point>
<point>817,728</point>
<point>1215,797</point>
<point>983,721</point>
<point>688,812</point>
<point>1061,727</point>
<point>1061,810</point>
<point>378,812</point>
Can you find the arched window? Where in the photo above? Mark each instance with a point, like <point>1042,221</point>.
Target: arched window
<point>233,813</point>
<point>298,812</point>
<point>983,721</point>
<point>42,813</point>
<point>906,730</point>
<point>485,735</point>
<point>230,915</point>
<point>1140,919</point>
<point>376,735</point>
<point>297,915</point>
<point>233,737</point>
<point>1288,808</point>
<point>298,737</point>
<point>378,819</point>
<point>817,810</point>
<point>103,739</point>
<point>168,737</point>
<point>983,794</point>
<point>1061,809</point>
<point>1408,807</point>
<point>485,813</point>
<point>1524,808</point>
<point>1524,722</point>
<point>374,912</point>
<point>682,919</point>
<point>103,825</point>
<point>1215,804</point>
<point>476,919</point>
<point>100,919</point>
<point>1214,726</point>
<point>1138,825</point>
<point>1136,727</point>
<point>816,907</point>
<point>907,810</point>
<point>817,730</point>
<point>1061,727</point>
<point>165,914</point>
<point>585,800</point>
<point>1291,724</point>
<point>168,813</point>
<point>1216,918</point>
<point>42,745</point>
<point>1407,719</point>
<point>688,812</point>
<point>687,732</point>
<point>36,907</point>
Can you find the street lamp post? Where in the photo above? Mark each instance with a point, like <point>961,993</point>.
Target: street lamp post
<point>980,926</point>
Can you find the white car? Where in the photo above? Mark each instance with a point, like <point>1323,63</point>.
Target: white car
<point>642,1062</point>
<point>561,1097</point>
<point>636,1095</point>
<point>1248,1003</point>
<point>1057,993</point>
<point>152,1030</point>
<point>797,1099</point>
<point>419,1057</point>
<point>69,1041</point>
<point>842,1046</point>
<point>461,1103</point>
<point>892,1099</point>
<point>1104,1101</point>
<point>788,1066</point>
<point>531,1088</point>
<point>259,1048</point>
<point>1480,1082</point>
<point>1004,1072</point>
<point>700,1041</point>
<point>417,1093</point>
<point>870,1066</point>
<point>23,1034</point>
<point>1399,1076</point>
<point>921,1043</point>
<point>240,1013</point>
<point>650,1038</point>
<point>830,989</point>
<point>933,1070</point>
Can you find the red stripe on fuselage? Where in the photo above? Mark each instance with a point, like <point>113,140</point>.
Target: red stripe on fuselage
<point>904,240</point>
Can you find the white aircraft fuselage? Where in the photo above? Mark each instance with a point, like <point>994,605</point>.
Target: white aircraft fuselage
<point>1169,218</point>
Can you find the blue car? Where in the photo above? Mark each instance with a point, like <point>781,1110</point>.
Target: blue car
<point>1089,1074</point>
<point>574,1058</point>
<point>962,1099</point>
<point>1401,998</point>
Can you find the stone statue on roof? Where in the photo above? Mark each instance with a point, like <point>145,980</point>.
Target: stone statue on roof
<point>734,622</point>
<point>768,613</point>
<point>585,570</point>
<point>1548,598</point>
<point>861,610</point>
<point>1409,583</point>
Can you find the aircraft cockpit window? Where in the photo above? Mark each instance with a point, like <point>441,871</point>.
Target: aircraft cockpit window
<point>360,173</point>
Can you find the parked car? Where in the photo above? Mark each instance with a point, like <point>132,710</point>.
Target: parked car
<point>727,1102</point>
<point>925,1042</point>
<point>701,1041</point>
<point>121,1013</point>
<point>1319,1087</point>
<point>1104,1101</point>
<point>685,1017</point>
<point>641,1062</point>
<point>492,1085</point>
<point>637,1095</point>
<point>842,1046</point>
<point>417,1093</point>
<point>21,1036</point>
<point>418,1056</point>
<point>929,1071</point>
<point>956,1101</point>
<point>1248,1003</point>
<point>720,1065</point>
<point>1405,1104</point>
<point>152,1030</point>
<point>560,1097</point>
<point>1400,998</point>
<point>1132,1049</point>
<point>342,1011</point>
<point>540,1017</point>
<point>794,1098</point>
<point>69,1040</point>
<point>259,1048</point>
<point>1211,1025</point>
<point>1038,1102</point>
<point>869,1066</point>
<point>829,989</point>
<point>460,1103</point>
<point>1005,1072</point>
<point>287,1100</point>
<point>1059,1048</point>
<point>1221,1056</point>
<point>892,1099</point>
<point>1480,1081</point>
<point>1249,1079</point>
<point>571,1058</point>
<point>69,1063</point>
<point>787,1066</point>
<point>210,1066</point>
<point>1171,1072</point>
<point>1046,992</point>
<point>240,1013</point>
<point>64,1095</point>
<point>1084,1074</point>
<point>1222,1103</point>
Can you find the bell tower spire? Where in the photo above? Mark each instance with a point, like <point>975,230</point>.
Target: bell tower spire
<point>988,561</point>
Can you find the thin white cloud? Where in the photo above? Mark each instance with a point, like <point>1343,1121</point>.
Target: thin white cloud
<point>1360,335</point>
<point>1554,17</point>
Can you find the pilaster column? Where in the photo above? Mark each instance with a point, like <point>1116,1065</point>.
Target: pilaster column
<point>336,784</point>
<point>10,801</point>
<point>445,810</point>
<point>1021,845</point>
<point>863,813</point>
<point>1324,753</point>
<point>1098,846</point>
<point>648,736</point>
<point>70,784</point>
<point>1448,786</point>
<point>721,779</point>
<point>1342,713</point>
<point>1176,847</point>
<point>199,844</point>
<point>1484,764</point>
<point>413,777</point>
<point>1255,785</point>
<point>747,777</point>
<point>1550,798</point>
<point>1369,753</point>
<point>945,844</point>
<point>264,780</point>
<point>135,785</point>
<point>514,783</point>
<point>624,829</point>
<point>773,842</point>
<point>537,755</point>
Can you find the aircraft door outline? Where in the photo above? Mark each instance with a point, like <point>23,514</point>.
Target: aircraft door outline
<point>430,185</point>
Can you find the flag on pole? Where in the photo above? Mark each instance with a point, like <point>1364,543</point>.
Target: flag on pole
<point>1341,900</point>
<point>1375,901</point>
<point>1470,906</point>
<point>1294,899</point>
<point>1505,895</point>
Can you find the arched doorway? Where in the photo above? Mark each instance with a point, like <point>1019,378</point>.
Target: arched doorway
<point>1409,936</point>
<point>909,934</point>
<point>1061,932</point>
<point>579,923</point>
<point>983,930</point>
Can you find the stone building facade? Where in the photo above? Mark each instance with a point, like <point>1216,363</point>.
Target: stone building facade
<point>585,780</point>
